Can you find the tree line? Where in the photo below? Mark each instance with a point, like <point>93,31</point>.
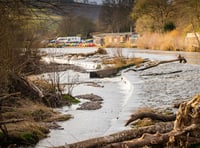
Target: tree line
<point>142,16</point>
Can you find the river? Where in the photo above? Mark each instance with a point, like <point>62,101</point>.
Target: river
<point>122,96</point>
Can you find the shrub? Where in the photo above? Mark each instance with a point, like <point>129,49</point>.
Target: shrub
<point>169,26</point>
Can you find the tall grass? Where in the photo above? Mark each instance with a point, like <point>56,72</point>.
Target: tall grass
<point>173,40</point>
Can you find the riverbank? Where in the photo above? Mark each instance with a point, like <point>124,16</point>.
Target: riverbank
<point>28,121</point>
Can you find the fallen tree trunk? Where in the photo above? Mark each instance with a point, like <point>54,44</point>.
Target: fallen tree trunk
<point>151,115</point>
<point>26,87</point>
<point>154,139</point>
<point>122,136</point>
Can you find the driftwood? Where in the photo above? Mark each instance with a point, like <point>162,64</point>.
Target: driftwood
<point>152,116</point>
<point>154,64</point>
<point>154,139</point>
<point>185,133</point>
<point>166,73</point>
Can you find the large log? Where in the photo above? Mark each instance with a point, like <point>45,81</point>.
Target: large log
<point>154,139</point>
<point>122,136</point>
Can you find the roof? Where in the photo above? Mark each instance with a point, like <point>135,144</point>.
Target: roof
<point>112,34</point>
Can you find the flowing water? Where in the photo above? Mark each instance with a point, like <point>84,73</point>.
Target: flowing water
<point>121,98</point>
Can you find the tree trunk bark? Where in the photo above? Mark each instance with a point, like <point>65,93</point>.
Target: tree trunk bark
<point>123,136</point>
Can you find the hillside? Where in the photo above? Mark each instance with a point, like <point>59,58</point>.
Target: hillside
<point>80,9</point>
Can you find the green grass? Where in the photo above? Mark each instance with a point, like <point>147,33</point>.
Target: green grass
<point>71,99</point>
<point>29,137</point>
<point>196,146</point>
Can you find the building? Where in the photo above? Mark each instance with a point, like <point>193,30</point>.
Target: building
<point>115,39</point>
<point>192,40</point>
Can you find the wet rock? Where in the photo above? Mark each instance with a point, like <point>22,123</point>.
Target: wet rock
<point>91,97</point>
<point>90,105</point>
<point>94,104</point>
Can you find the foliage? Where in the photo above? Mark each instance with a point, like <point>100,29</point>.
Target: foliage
<point>169,26</point>
<point>145,24</point>
<point>189,9</point>
<point>158,16</point>
<point>28,134</point>
<point>160,11</point>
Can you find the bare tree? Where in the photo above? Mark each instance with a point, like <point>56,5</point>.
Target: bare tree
<point>115,15</point>
<point>72,25</point>
<point>72,80</point>
<point>18,37</point>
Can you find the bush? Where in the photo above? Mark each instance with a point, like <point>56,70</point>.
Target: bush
<point>169,27</point>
